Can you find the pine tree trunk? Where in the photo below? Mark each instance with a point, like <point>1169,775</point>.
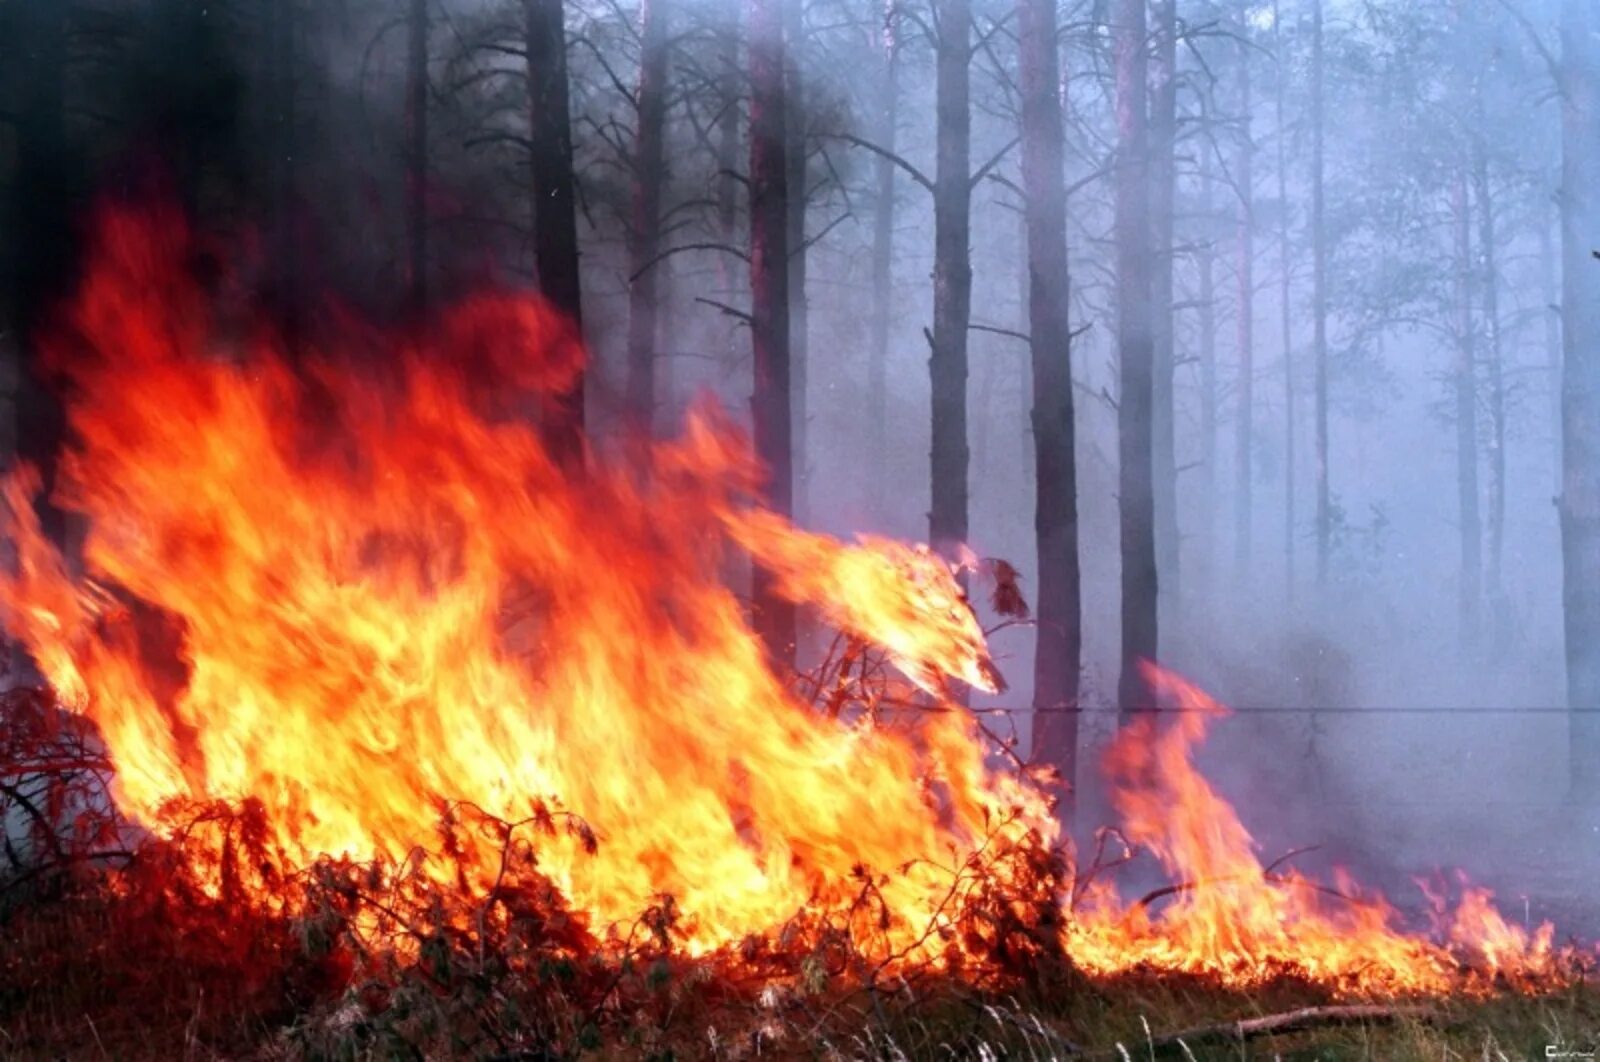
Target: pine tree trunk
<point>1580,386</point>
<point>1286,309</point>
<point>644,233</point>
<point>795,159</point>
<point>883,261</point>
<point>1244,437</point>
<point>1483,194</point>
<point>1548,263</point>
<point>1319,303</point>
<point>730,89</point>
<point>770,404</point>
<point>1163,171</point>
<point>40,235</point>
<point>417,160</point>
<point>1206,266</point>
<point>952,278</point>
<point>555,220</point>
<point>1465,380</point>
<point>1136,349</point>
<point>1058,638</point>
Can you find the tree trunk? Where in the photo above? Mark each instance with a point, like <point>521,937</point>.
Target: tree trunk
<point>1058,637</point>
<point>1488,258</point>
<point>795,159</point>
<point>40,235</point>
<point>1285,307</point>
<point>1136,350</point>
<point>555,219</point>
<point>644,234</point>
<point>770,404</point>
<point>1466,394</point>
<point>417,160</point>
<point>1580,386</point>
<point>952,278</point>
<point>1548,263</point>
<point>729,182</point>
<point>883,262</point>
<point>1163,144</point>
<point>1207,312</point>
<point>1319,302</point>
<point>288,284</point>
<point>1244,437</point>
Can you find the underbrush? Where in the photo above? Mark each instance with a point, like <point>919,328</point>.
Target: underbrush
<point>208,942</point>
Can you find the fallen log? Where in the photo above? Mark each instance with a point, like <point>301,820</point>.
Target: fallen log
<point>1287,1022</point>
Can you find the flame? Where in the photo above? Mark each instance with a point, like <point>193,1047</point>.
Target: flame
<point>1231,918</point>
<point>383,596</point>
<point>358,588</point>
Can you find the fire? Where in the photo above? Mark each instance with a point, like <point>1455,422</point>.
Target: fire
<point>1233,918</point>
<point>384,596</point>
<point>356,594</point>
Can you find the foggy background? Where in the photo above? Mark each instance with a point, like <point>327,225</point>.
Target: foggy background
<point>1378,715</point>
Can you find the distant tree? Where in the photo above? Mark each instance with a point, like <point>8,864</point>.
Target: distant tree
<point>648,175</point>
<point>1580,383</point>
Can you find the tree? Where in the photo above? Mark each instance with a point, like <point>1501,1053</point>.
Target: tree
<point>1285,307</point>
<point>1163,179</point>
<point>771,405</point>
<point>1244,428</point>
<point>555,222</point>
<point>1058,652</point>
<point>644,231</point>
<point>798,199</point>
<point>1319,302</point>
<point>40,224</point>
<point>417,159</point>
<point>1466,414</point>
<point>1580,384</point>
<point>952,276</point>
<point>883,249</point>
<point>1136,350</point>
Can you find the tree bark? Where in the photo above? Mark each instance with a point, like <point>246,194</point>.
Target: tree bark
<point>1163,171</point>
<point>1466,395</point>
<point>795,159</point>
<point>1058,638</point>
<point>771,407</point>
<point>1548,274</point>
<point>952,278</point>
<point>1207,314</point>
<point>417,160</point>
<point>1244,437</point>
<point>555,220</point>
<point>1580,386</point>
<point>1136,350</point>
<point>883,260</point>
<point>1285,307</point>
<point>644,234</point>
<point>1319,302</point>
<point>1494,370</point>
<point>40,237</point>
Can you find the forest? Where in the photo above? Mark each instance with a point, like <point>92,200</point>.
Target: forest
<point>353,351</point>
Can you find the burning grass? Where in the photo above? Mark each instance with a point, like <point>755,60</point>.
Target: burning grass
<point>427,745</point>
<point>208,940</point>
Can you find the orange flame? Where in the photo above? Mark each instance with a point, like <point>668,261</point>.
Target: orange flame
<point>354,594</point>
<point>1231,918</point>
<point>385,597</point>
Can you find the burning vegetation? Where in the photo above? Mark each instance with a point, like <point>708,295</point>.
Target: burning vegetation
<point>389,731</point>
